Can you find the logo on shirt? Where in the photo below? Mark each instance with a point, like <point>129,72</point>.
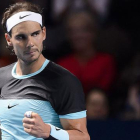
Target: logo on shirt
<point>57,129</point>
<point>11,106</point>
<point>21,17</point>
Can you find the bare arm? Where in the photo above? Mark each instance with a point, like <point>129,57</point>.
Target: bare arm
<point>76,128</point>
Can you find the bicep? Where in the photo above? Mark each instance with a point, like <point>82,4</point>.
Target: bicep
<point>76,128</point>
<point>74,124</point>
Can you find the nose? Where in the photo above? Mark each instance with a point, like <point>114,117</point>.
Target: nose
<point>30,42</point>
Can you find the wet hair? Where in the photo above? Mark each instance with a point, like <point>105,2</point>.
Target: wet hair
<point>18,7</point>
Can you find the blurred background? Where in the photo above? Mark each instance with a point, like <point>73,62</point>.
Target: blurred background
<point>98,41</point>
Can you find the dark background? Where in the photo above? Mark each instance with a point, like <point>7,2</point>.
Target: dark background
<point>124,16</point>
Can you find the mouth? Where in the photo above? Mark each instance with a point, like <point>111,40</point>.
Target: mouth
<point>30,52</point>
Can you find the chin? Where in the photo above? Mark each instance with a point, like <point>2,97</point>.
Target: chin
<point>29,61</point>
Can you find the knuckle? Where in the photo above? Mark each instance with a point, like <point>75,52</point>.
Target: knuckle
<point>33,121</point>
<point>31,127</point>
<point>30,131</point>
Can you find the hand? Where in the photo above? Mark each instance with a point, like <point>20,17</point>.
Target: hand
<point>35,126</point>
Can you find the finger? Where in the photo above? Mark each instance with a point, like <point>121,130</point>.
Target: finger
<point>34,115</point>
<point>28,120</point>
<point>31,131</point>
<point>28,126</point>
<point>28,130</point>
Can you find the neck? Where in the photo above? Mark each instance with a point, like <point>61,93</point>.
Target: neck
<point>28,68</point>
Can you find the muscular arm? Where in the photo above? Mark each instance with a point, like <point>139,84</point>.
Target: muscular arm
<point>76,128</point>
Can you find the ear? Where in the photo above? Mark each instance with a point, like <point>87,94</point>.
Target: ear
<point>44,32</point>
<point>8,39</point>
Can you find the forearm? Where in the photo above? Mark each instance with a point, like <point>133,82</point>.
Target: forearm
<point>61,134</point>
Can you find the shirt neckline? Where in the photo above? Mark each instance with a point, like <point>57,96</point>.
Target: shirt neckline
<point>13,72</point>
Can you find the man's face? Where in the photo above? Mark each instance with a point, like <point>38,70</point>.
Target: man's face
<point>81,35</point>
<point>27,41</point>
<point>97,106</point>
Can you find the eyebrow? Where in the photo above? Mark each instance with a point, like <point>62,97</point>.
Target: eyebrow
<point>36,32</point>
<point>20,34</point>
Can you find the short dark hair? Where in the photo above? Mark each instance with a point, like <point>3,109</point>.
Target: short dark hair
<point>17,7</point>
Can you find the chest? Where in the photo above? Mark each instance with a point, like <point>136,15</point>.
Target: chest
<point>27,89</point>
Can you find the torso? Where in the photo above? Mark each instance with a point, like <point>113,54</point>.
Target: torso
<point>39,92</point>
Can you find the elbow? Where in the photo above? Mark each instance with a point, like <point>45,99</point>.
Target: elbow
<point>87,137</point>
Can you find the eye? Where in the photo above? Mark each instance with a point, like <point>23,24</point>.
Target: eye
<point>35,34</point>
<point>20,37</point>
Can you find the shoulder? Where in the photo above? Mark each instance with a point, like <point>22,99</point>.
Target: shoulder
<point>61,74</point>
<point>64,78</point>
<point>58,70</point>
<point>68,96</point>
<point>5,73</point>
<point>6,69</point>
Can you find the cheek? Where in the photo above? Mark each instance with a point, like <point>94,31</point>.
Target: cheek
<point>38,41</point>
<point>18,48</point>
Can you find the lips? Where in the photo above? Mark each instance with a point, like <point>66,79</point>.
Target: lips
<point>30,52</point>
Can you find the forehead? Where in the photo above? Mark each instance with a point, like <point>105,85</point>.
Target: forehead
<point>26,27</point>
<point>80,19</point>
<point>97,95</point>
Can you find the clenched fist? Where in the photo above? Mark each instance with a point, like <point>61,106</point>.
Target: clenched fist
<point>34,125</point>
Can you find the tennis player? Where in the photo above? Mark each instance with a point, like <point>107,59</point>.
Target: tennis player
<point>39,99</point>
